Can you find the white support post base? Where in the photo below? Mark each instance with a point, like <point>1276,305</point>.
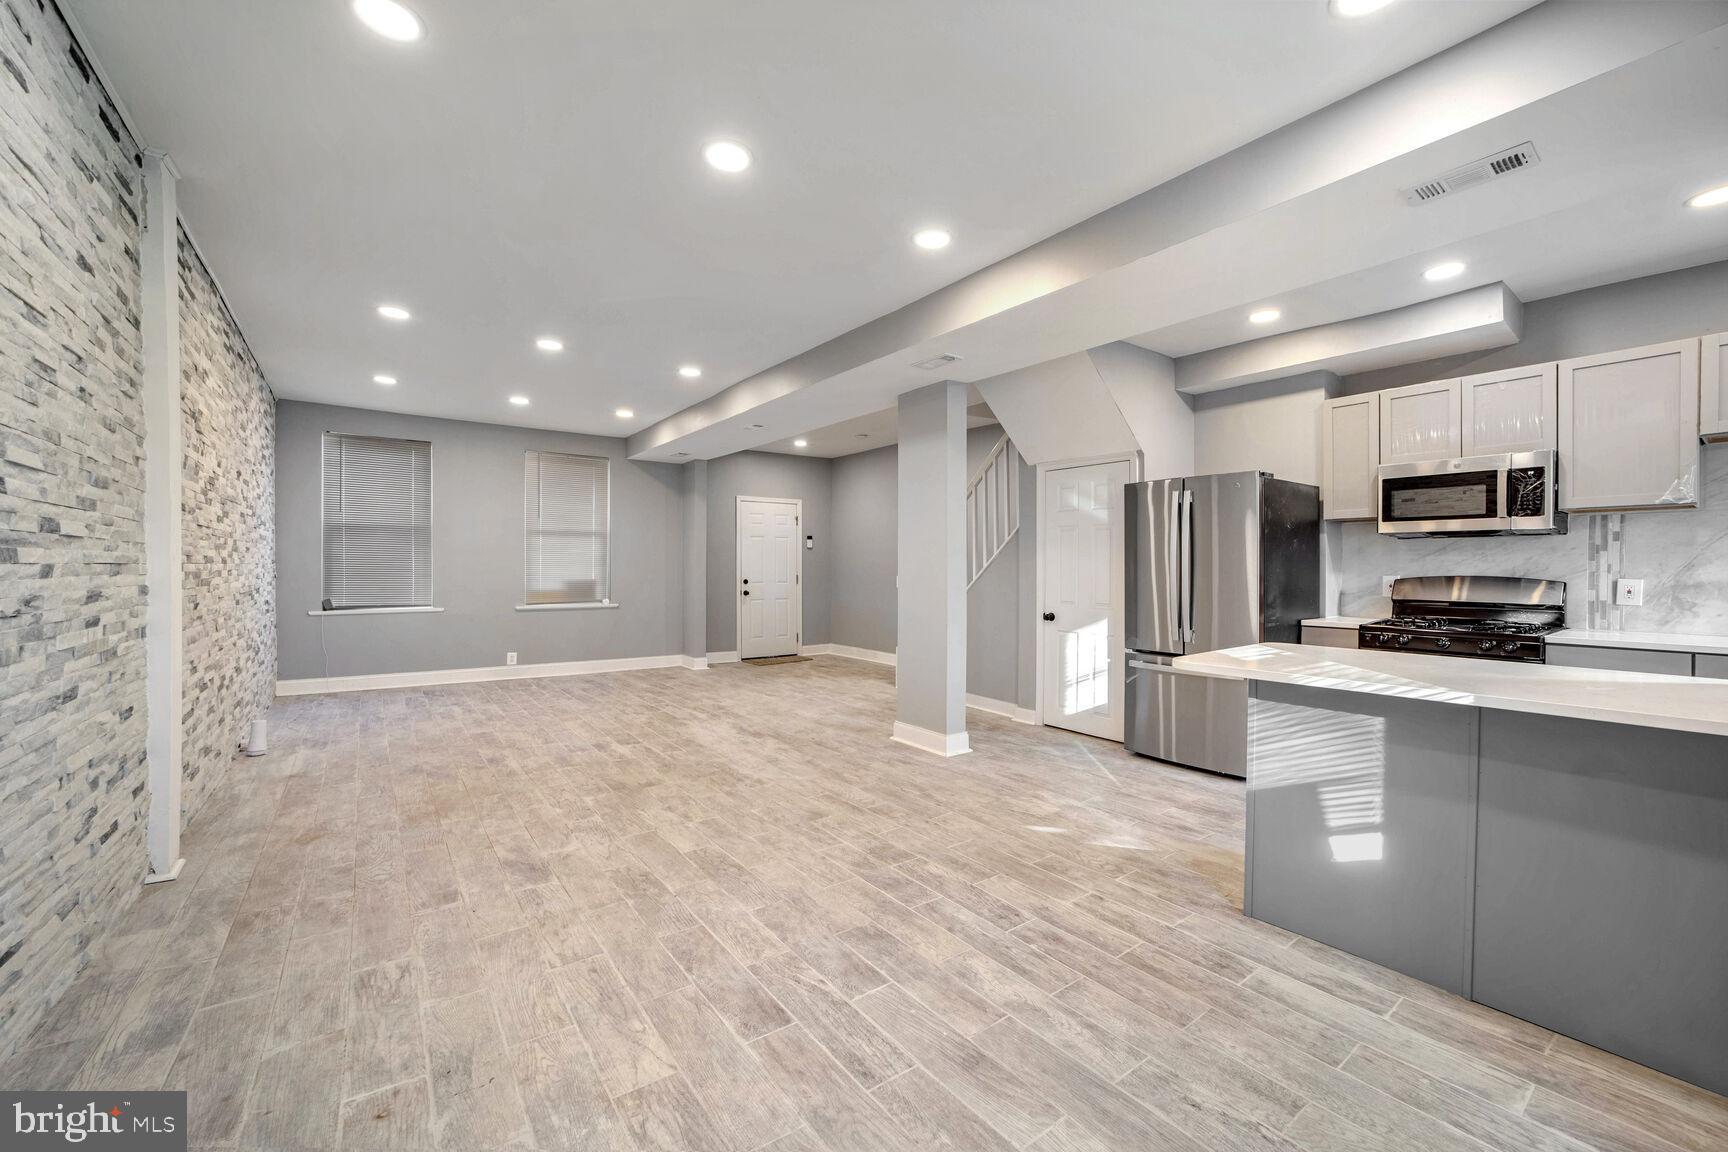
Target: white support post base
<point>163,877</point>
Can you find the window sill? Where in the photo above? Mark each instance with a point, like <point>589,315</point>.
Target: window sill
<point>371,611</point>
<point>566,607</point>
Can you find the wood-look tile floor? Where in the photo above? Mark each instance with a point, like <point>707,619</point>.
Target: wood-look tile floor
<point>720,911</point>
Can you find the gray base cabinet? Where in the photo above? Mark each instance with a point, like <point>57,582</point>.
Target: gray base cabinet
<point>1367,845</point>
<point>1621,659</point>
<point>1568,872</point>
<point>1602,888</point>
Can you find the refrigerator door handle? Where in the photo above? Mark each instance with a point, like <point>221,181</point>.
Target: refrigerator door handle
<point>1185,600</point>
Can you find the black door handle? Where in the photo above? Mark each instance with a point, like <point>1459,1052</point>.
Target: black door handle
<point>746,591</point>
<point>746,579</point>
<point>1049,616</point>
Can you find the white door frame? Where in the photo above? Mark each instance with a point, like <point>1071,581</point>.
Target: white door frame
<point>738,567</point>
<point>1136,466</point>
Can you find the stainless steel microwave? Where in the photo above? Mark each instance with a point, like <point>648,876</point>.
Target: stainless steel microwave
<point>1507,494</point>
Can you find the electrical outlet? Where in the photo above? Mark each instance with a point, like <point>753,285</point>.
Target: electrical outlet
<point>1386,585</point>
<point>509,658</point>
<point>1629,593</point>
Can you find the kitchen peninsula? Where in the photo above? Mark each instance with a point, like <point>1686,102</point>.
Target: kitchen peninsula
<point>1548,841</point>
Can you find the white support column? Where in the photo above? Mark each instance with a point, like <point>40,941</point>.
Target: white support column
<point>159,260</point>
<point>930,665</point>
<point>694,491</point>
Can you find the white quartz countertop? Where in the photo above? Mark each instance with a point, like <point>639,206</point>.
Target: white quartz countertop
<point>1681,703</point>
<point>1650,641</point>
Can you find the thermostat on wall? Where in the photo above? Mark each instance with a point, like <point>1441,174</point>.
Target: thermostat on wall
<point>809,542</point>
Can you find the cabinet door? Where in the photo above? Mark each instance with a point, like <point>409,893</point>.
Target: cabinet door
<point>1421,422</point>
<point>1713,394</point>
<point>1511,411</point>
<point>1629,429</point>
<point>1708,664</point>
<point>1350,457</point>
<point>1620,659</point>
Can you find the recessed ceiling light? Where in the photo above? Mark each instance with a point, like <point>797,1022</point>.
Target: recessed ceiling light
<point>389,19</point>
<point>624,413</point>
<point>387,381</point>
<point>519,401</point>
<point>800,443</point>
<point>549,344</point>
<point>1710,198</point>
<point>1445,271</point>
<point>726,155</point>
<point>689,371</point>
<point>931,239</point>
<point>1350,9</point>
<point>392,311</point>
<point>1264,316</point>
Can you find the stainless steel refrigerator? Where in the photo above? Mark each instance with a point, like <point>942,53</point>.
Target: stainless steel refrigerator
<point>1213,562</point>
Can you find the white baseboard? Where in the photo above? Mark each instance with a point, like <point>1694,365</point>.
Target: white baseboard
<point>852,653</point>
<point>722,658</point>
<point>1000,708</point>
<point>380,680</point>
<point>923,739</point>
<point>695,663</point>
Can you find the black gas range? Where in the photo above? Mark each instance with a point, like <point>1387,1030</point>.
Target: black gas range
<point>1488,617</point>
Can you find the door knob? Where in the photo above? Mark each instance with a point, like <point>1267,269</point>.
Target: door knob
<point>1050,616</point>
<point>746,579</point>
<point>746,591</point>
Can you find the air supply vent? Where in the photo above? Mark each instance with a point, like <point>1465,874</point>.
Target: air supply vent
<point>935,362</point>
<point>1478,172</point>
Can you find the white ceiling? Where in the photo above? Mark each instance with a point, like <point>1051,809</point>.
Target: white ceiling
<point>1625,103</point>
<point>532,167</point>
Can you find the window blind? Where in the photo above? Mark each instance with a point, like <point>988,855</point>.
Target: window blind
<point>377,522</point>
<point>567,510</point>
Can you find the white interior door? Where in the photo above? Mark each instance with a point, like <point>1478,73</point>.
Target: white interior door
<point>1083,565</point>
<point>769,576</point>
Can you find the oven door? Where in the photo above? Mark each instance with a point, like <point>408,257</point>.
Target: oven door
<point>1444,496</point>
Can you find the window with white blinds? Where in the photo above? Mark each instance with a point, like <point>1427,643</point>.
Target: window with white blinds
<point>377,522</point>
<point>567,510</point>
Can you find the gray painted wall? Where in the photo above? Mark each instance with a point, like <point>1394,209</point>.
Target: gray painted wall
<point>477,554</point>
<point>1649,310</point>
<point>864,552</point>
<point>767,474</point>
<point>1001,631</point>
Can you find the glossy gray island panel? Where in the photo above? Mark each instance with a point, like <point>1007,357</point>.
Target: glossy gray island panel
<point>1477,829</point>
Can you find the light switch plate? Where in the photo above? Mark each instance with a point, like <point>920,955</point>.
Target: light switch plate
<point>1629,593</point>
<point>509,658</point>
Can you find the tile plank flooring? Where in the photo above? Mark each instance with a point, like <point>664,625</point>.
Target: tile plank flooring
<point>630,912</point>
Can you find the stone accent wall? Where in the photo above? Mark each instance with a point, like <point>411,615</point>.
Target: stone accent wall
<point>228,525</point>
<point>72,724</point>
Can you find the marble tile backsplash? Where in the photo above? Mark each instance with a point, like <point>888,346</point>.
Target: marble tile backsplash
<point>1682,557</point>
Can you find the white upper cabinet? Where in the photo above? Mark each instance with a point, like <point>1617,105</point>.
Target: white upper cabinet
<point>1421,422</point>
<point>1629,429</point>
<point>1713,396</point>
<point>1349,456</point>
<point>1515,410</point>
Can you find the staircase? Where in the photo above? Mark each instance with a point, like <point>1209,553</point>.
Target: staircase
<point>992,508</point>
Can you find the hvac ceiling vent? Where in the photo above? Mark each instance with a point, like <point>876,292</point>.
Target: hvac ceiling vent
<point>1478,172</point>
<point>935,362</point>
